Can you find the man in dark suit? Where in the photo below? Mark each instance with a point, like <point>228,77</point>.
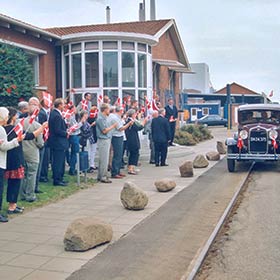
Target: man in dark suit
<point>161,136</point>
<point>42,173</point>
<point>58,142</point>
<point>172,116</point>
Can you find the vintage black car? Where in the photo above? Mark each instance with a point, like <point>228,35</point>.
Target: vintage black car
<point>212,120</point>
<point>258,135</point>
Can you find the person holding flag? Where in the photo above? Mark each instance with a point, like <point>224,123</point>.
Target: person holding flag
<point>5,145</point>
<point>15,159</point>
<point>31,152</point>
<point>85,103</point>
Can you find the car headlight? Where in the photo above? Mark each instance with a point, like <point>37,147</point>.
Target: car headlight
<point>273,134</point>
<point>243,134</point>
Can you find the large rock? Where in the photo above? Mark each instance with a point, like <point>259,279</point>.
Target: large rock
<point>213,156</point>
<point>86,233</point>
<point>132,197</point>
<point>221,148</point>
<point>165,185</point>
<point>186,169</point>
<point>200,162</point>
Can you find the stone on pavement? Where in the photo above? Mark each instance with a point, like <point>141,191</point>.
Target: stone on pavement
<point>165,185</point>
<point>221,148</point>
<point>86,233</point>
<point>133,198</point>
<point>213,156</point>
<point>186,169</point>
<point>200,162</point>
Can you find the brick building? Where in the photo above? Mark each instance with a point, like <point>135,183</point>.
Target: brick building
<point>133,59</point>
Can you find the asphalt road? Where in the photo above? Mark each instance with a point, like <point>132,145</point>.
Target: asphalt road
<point>164,245</point>
<point>251,249</point>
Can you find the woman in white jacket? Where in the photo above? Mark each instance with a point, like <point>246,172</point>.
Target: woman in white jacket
<point>4,147</point>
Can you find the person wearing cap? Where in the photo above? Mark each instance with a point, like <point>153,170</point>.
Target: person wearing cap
<point>5,145</point>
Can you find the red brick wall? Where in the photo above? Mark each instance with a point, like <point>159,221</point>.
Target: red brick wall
<point>47,61</point>
<point>165,50</point>
<point>235,88</point>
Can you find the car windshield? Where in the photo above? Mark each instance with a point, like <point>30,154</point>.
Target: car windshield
<point>259,116</point>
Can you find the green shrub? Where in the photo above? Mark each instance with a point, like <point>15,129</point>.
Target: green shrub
<point>191,134</point>
<point>16,76</point>
<point>184,138</point>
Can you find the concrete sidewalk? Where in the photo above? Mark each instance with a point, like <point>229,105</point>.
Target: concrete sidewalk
<point>31,245</point>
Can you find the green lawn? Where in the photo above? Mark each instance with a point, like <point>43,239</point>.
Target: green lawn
<point>51,194</point>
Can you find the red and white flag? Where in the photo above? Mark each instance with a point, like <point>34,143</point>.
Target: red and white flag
<point>271,94</point>
<point>73,128</point>
<point>154,105</point>
<point>46,134</point>
<point>84,104</point>
<point>48,99</point>
<point>118,102</point>
<point>34,116</point>
<point>148,103</point>
<point>93,113</point>
<point>18,129</point>
<point>143,109</point>
<point>99,99</point>
<point>66,114</point>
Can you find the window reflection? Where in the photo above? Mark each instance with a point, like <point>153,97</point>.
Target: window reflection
<point>128,69</point>
<point>92,70</point>
<point>76,71</point>
<point>110,69</point>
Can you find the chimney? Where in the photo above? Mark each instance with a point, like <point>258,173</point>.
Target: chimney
<point>153,9</point>
<point>108,15</point>
<point>141,12</point>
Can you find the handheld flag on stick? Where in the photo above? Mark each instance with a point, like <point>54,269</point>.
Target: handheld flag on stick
<point>271,94</point>
<point>154,105</point>
<point>18,129</point>
<point>34,116</point>
<point>84,104</point>
<point>48,99</point>
<point>73,128</point>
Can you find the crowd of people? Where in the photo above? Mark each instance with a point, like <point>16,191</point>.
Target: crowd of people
<point>39,134</point>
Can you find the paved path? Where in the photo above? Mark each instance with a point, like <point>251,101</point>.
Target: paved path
<point>163,247</point>
<point>251,250</point>
<point>31,245</point>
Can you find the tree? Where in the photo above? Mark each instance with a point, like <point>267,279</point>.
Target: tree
<point>16,75</point>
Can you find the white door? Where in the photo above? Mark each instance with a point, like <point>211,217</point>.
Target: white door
<point>193,114</point>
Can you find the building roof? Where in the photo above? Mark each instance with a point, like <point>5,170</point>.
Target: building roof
<point>24,27</point>
<point>142,27</point>
<point>237,89</point>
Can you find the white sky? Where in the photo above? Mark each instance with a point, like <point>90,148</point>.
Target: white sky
<point>238,39</point>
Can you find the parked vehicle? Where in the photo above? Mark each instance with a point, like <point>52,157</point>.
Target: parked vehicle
<point>212,120</point>
<point>258,134</point>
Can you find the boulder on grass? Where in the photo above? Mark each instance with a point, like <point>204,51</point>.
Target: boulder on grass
<point>186,169</point>
<point>133,198</point>
<point>221,148</point>
<point>165,185</point>
<point>213,156</point>
<point>200,162</point>
<point>86,233</point>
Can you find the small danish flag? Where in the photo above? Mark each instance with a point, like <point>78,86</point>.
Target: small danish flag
<point>34,116</point>
<point>18,129</point>
<point>48,99</point>
<point>84,103</point>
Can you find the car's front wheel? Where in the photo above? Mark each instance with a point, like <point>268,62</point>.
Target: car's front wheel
<point>231,165</point>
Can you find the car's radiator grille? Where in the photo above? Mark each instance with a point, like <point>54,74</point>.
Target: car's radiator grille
<point>258,141</point>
